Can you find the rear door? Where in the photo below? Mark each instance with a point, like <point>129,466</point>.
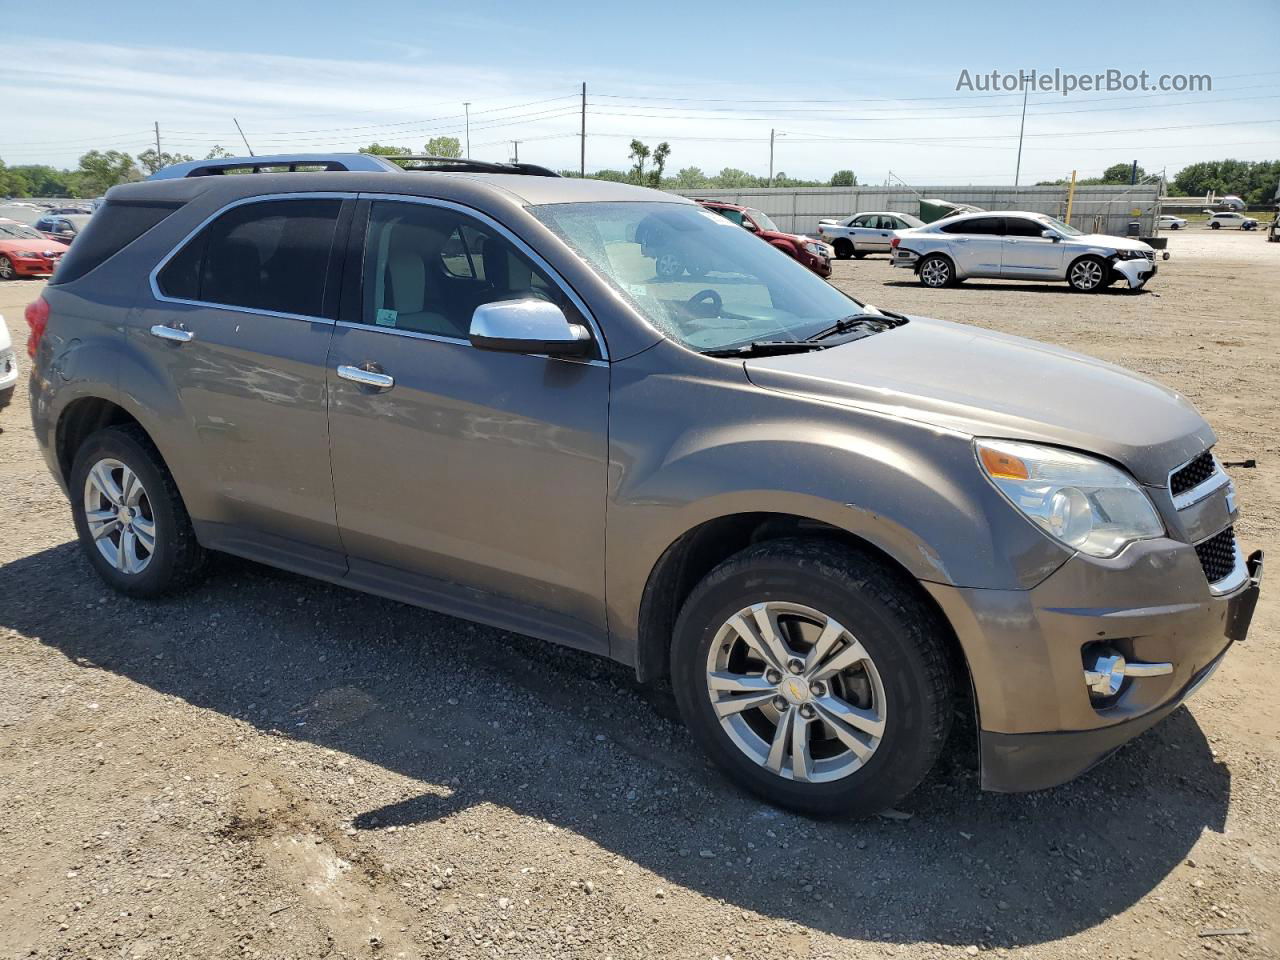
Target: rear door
<point>1028,255</point>
<point>240,327</point>
<point>471,481</point>
<point>976,245</point>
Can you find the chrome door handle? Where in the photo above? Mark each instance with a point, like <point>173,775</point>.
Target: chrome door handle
<point>962,239</point>
<point>367,378</point>
<point>172,333</point>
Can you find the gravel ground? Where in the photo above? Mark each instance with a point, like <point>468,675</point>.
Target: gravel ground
<point>273,767</point>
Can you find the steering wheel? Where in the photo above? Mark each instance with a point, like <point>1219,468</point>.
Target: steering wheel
<point>701,296</point>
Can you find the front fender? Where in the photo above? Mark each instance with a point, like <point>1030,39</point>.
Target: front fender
<point>686,450</point>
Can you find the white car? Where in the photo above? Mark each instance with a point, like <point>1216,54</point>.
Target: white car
<point>865,233</point>
<point>8,367</point>
<point>1167,221</point>
<point>1229,218</point>
<point>1016,245</point>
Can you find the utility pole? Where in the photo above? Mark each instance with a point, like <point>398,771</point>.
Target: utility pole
<point>515,146</point>
<point>467,107</point>
<point>582,162</point>
<point>157,142</point>
<point>1026,88</point>
<point>242,136</point>
<point>771,156</point>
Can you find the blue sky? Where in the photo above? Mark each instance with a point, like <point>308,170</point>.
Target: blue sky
<point>867,86</point>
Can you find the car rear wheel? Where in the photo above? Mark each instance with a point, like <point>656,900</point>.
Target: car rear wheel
<point>130,518</point>
<point>859,254</point>
<point>813,677</point>
<point>937,271</point>
<point>1088,275</point>
<point>843,248</point>
<point>7,272</point>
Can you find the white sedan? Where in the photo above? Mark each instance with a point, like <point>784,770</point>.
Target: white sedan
<point>1017,245</point>
<point>1167,221</point>
<point>8,367</point>
<point>865,233</point>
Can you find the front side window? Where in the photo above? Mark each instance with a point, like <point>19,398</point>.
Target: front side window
<point>865,220</point>
<point>1021,227</point>
<point>271,255</point>
<point>731,290</point>
<point>427,268</point>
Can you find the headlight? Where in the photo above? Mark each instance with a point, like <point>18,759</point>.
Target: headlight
<point>1081,501</point>
<point>817,249</point>
<point>26,255</point>
<point>1130,255</point>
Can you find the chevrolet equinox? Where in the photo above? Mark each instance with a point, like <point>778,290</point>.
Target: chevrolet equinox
<point>465,387</point>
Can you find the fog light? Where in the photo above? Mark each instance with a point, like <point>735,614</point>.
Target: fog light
<point>1106,674</point>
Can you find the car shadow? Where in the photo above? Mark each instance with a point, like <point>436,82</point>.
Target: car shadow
<point>1117,290</point>
<point>475,715</point>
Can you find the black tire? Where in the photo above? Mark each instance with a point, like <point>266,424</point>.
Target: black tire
<point>899,630</point>
<point>843,248</point>
<point>6,396</point>
<point>1089,274</point>
<point>859,254</point>
<point>178,559</point>
<point>1215,225</point>
<point>939,270</point>
<point>7,272</point>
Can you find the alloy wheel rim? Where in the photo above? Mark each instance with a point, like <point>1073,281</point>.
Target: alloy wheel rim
<point>6,268</point>
<point>1086,274</point>
<point>934,273</point>
<point>118,512</point>
<point>796,692</point>
<point>668,264</point>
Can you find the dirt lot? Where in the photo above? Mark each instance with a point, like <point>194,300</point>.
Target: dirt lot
<point>272,767</point>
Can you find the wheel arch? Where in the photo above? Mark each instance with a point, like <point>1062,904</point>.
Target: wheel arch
<point>696,552</point>
<point>79,420</point>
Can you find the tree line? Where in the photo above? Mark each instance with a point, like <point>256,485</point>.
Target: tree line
<point>1256,182</point>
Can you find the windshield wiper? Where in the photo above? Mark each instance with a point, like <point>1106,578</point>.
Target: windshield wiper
<point>873,319</point>
<point>764,348</point>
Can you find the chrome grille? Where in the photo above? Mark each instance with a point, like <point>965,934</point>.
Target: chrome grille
<point>1218,555</point>
<point>1192,474</point>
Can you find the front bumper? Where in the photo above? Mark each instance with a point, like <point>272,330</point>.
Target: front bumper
<point>42,267</point>
<point>1137,271</point>
<point>819,265</point>
<point>1026,648</point>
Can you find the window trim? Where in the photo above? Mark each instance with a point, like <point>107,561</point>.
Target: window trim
<point>520,244</point>
<point>154,276</point>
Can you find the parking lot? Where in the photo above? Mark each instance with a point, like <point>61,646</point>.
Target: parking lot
<point>273,767</point>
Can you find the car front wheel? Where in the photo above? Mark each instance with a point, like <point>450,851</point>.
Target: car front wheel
<point>7,271</point>
<point>1088,275</point>
<point>843,248</point>
<point>668,265</point>
<point>129,516</point>
<point>813,677</point>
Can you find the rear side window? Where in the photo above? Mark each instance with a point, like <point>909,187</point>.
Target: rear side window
<point>981,226</point>
<point>116,225</point>
<point>265,255</point>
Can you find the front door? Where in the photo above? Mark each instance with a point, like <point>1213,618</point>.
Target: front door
<point>1027,254</point>
<point>468,480</point>
<point>240,327</point>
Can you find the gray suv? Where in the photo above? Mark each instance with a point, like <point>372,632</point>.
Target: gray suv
<point>824,524</point>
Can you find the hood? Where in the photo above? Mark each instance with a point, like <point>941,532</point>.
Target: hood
<point>42,246</point>
<point>960,378</point>
<point>1115,243</point>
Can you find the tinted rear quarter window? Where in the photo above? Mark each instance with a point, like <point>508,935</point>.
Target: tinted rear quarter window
<point>110,230</point>
<point>982,226</point>
<point>268,255</point>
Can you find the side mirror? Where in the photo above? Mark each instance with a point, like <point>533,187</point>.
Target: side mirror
<point>748,225</point>
<point>1050,235</point>
<point>528,326</point>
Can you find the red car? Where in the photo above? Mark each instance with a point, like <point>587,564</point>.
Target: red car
<point>26,252</point>
<point>814,254</point>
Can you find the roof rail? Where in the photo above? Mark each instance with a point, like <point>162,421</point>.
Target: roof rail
<point>467,165</point>
<point>355,162</point>
<point>276,163</point>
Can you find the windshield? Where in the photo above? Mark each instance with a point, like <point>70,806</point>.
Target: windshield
<point>762,220</point>
<point>695,276</point>
<point>18,231</point>
<point>1065,229</point>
